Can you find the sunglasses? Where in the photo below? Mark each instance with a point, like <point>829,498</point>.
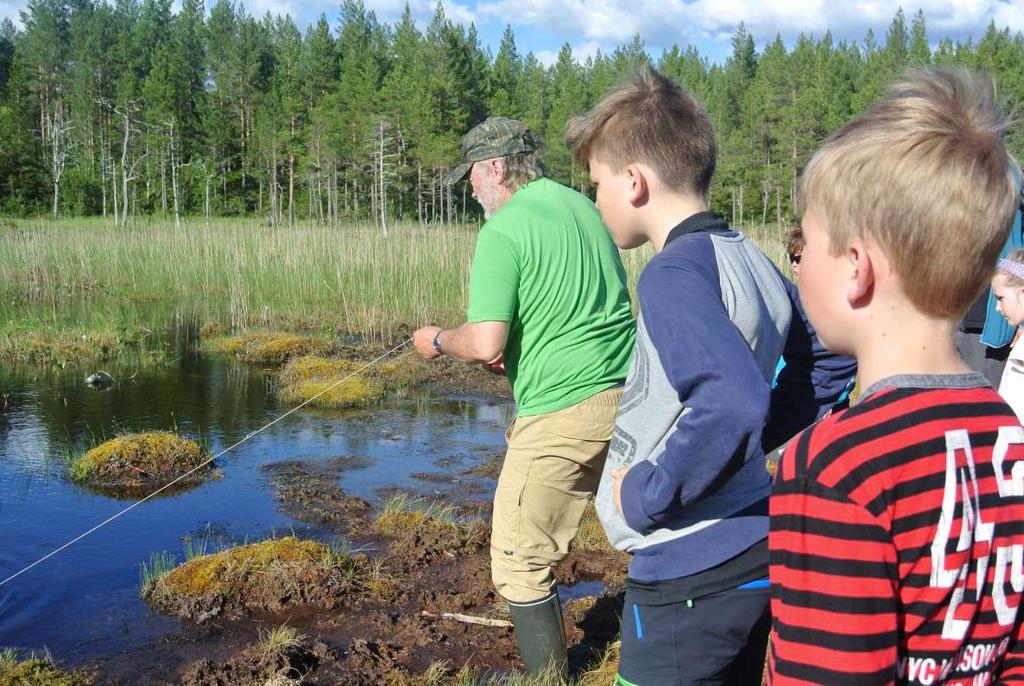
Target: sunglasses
<point>795,259</point>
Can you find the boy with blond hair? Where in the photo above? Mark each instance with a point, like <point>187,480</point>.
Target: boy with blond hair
<point>897,526</point>
<point>685,488</point>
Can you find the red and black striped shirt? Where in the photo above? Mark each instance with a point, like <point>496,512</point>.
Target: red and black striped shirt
<point>897,540</point>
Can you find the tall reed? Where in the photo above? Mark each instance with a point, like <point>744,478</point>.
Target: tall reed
<point>86,274</point>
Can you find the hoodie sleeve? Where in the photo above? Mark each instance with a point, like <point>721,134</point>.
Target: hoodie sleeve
<point>710,366</point>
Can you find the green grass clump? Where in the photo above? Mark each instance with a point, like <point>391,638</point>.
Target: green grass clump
<point>591,535</point>
<point>603,671</point>
<point>281,638</point>
<point>599,673</point>
<point>138,459</point>
<point>229,570</point>
<point>311,376</point>
<point>61,346</point>
<point>159,565</point>
<point>403,514</point>
<point>37,672</point>
<point>274,348</point>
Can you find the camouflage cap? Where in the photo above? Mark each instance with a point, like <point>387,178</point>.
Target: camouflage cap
<point>494,137</point>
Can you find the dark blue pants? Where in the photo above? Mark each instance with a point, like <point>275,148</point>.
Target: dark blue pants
<point>717,639</point>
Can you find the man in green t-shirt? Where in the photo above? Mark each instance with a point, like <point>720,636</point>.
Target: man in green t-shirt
<point>548,306</point>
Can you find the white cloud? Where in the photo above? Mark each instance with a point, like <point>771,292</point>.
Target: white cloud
<point>1010,14</point>
<point>259,8</point>
<point>664,22</point>
<point>11,10</point>
<point>422,10</point>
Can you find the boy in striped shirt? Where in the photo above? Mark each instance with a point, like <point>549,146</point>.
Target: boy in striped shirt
<point>897,526</point>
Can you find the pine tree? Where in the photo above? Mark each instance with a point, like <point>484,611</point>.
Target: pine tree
<point>568,98</point>
<point>920,53</point>
<point>505,76</point>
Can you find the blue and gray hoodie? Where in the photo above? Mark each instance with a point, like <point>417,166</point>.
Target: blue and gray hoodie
<point>715,316</point>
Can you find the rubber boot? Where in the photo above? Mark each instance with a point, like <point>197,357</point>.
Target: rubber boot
<point>541,637</point>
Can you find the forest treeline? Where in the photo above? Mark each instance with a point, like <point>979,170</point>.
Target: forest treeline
<point>131,109</point>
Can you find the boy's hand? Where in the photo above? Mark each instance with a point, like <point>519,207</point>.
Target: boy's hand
<point>496,366</point>
<point>617,476</point>
<point>423,339</point>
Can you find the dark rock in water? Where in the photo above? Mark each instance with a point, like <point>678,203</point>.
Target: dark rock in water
<point>100,379</point>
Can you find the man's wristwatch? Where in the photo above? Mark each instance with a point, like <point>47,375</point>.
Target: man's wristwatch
<point>437,342</point>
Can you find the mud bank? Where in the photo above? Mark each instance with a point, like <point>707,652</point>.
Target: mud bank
<point>426,561</point>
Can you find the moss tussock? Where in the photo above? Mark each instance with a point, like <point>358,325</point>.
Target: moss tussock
<point>227,570</point>
<point>37,672</point>
<point>63,347</point>
<point>267,348</point>
<point>270,576</point>
<point>424,531</point>
<point>307,377</point>
<point>210,329</point>
<point>141,459</point>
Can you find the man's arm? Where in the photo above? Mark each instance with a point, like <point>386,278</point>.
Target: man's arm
<point>493,294</point>
<point>471,342</point>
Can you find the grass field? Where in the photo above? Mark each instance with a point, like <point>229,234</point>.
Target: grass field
<point>71,290</point>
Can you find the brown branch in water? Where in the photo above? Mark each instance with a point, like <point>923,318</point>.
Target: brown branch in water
<point>468,619</point>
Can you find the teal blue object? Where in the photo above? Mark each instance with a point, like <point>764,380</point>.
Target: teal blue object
<point>997,332</point>
<point>778,370</point>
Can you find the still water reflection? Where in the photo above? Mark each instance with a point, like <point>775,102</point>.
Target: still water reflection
<point>84,602</point>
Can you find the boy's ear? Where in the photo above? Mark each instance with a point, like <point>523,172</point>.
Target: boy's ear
<point>862,277</point>
<point>638,188</point>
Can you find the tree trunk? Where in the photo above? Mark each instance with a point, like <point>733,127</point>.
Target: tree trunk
<point>419,191</point>
<point>272,181</point>
<point>174,181</point>
<point>163,182</point>
<point>241,117</point>
<point>113,187</point>
<point>335,195</point>
<point>382,195</point>
<point>778,205</point>
<point>103,179</point>
<point>291,189</point>
<point>451,204</point>
<point>433,200</point>
<point>765,195</point>
<point>124,171</point>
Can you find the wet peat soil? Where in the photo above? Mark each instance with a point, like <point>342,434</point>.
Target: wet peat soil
<point>391,635</point>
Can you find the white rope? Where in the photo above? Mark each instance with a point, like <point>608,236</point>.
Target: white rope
<point>197,468</point>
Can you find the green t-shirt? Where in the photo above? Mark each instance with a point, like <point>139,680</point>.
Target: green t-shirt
<point>545,264</point>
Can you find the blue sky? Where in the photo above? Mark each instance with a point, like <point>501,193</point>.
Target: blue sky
<point>542,26</point>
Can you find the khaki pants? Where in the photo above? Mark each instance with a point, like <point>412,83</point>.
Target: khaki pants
<point>551,470</point>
